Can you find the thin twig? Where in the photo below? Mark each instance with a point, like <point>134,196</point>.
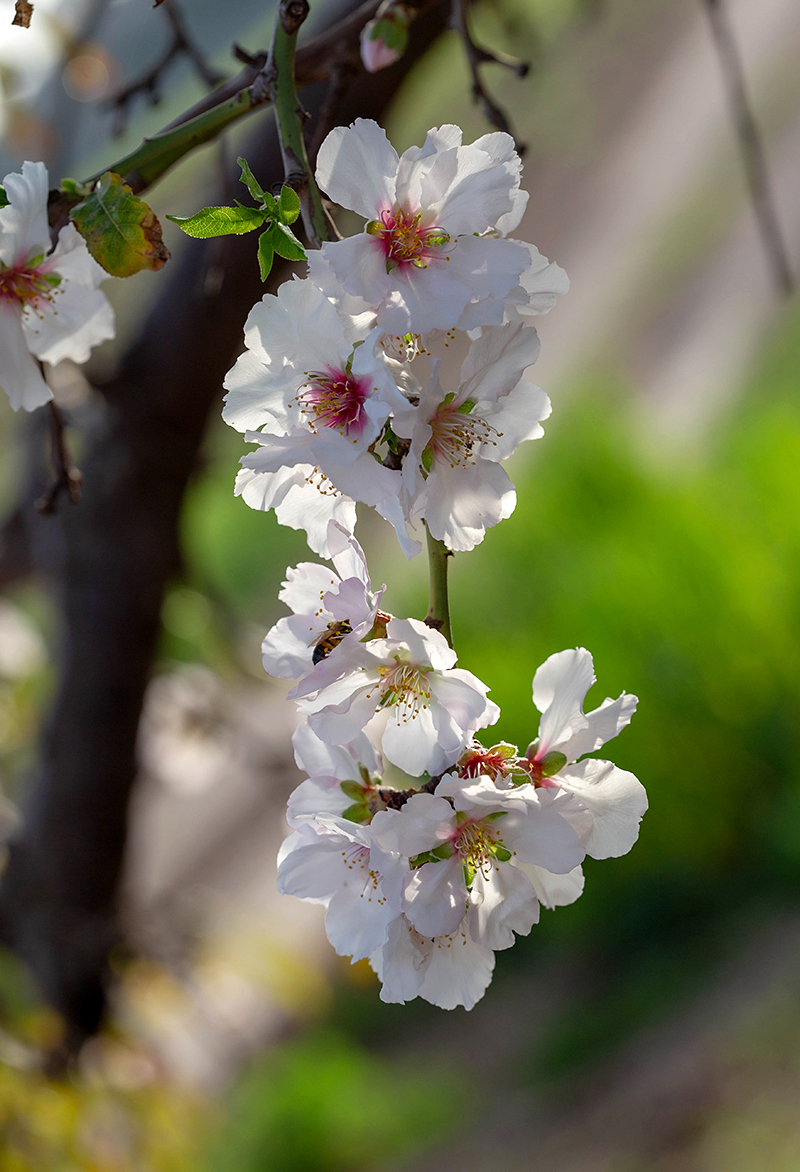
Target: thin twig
<point>180,45</point>
<point>751,146</point>
<point>68,478</point>
<point>278,80</point>
<point>477,55</point>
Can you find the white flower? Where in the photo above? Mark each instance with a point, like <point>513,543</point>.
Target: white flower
<point>604,803</point>
<point>451,474</point>
<point>329,606</point>
<point>445,970</point>
<point>472,844</point>
<point>431,706</point>
<point>305,366</point>
<point>431,245</point>
<point>340,776</point>
<point>298,477</point>
<point>50,306</point>
<point>535,294</point>
<point>332,861</point>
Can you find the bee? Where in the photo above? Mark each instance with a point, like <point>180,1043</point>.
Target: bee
<point>331,637</point>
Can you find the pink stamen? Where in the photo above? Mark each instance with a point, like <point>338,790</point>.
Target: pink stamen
<point>335,399</point>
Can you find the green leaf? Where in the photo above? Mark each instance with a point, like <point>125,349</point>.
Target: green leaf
<point>220,222</point>
<point>502,855</point>
<point>552,762</point>
<point>285,243</point>
<point>121,232</point>
<point>250,181</point>
<point>351,789</point>
<point>358,812</point>
<point>74,188</point>
<point>3,198</point>
<point>266,254</point>
<point>288,205</point>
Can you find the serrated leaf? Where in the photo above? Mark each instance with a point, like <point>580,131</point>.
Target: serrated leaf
<point>250,181</point>
<point>288,205</point>
<point>3,198</point>
<point>121,232</point>
<point>210,222</point>
<point>266,254</point>
<point>285,243</point>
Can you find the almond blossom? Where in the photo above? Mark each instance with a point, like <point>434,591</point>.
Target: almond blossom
<point>464,854</point>
<point>447,971</point>
<point>342,779</point>
<point>451,475</point>
<point>431,706</point>
<point>330,606</point>
<point>50,306</point>
<point>435,215</point>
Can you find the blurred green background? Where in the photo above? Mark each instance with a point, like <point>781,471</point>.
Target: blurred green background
<point>653,1026</point>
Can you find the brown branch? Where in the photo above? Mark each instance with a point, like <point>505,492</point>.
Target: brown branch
<point>180,45</point>
<point>751,146</point>
<point>68,479</point>
<point>477,56</point>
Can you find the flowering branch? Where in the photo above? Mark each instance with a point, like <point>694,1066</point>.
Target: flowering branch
<point>752,147</point>
<point>438,616</point>
<point>278,80</point>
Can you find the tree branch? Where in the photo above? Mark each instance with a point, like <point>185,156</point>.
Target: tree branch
<point>476,56</point>
<point>438,616</point>
<point>751,147</point>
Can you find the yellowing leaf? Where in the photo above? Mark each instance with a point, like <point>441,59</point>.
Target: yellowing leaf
<point>121,232</point>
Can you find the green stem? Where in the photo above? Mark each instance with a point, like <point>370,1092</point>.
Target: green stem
<point>438,615</point>
<point>289,117</point>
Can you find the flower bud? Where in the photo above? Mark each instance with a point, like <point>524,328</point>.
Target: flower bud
<point>385,39</point>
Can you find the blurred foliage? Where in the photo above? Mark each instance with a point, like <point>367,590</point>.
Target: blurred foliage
<point>323,1104</point>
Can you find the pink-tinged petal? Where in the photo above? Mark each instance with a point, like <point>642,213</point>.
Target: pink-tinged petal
<point>554,890</point>
<point>24,231</point>
<point>501,903</point>
<point>435,897</point>
<point>20,377</point>
<point>356,167</point>
<point>559,690</point>
<point>615,799</point>
<point>457,972</point>
<point>424,823</point>
<point>542,837</point>
<point>602,725</point>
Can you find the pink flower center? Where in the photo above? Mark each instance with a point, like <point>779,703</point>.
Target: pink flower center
<point>334,399</point>
<point>405,240</point>
<point>26,286</point>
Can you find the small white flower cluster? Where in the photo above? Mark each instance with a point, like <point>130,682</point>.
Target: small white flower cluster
<point>428,850</point>
<point>50,306</point>
<point>349,384</point>
<point>429,880</point>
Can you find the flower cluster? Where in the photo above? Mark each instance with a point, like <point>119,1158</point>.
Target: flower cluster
<point>349,383</point>
<point>429,876</point>
<point>50,305</point>
<point>429,850</point>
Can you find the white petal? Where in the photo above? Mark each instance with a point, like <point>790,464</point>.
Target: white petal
<point>457,972</point>
<point>554,890</point>
<point>559,690</point>
<point>435,897</point>
<point>24,231</point>
<point>542,837</point>
<point>616,799</point>
<point>356,167</point>
<point>500,904</point>
<point>423,823</point>
<point>602,725</point>
<point>20,377</point>
<point>76,319</point>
